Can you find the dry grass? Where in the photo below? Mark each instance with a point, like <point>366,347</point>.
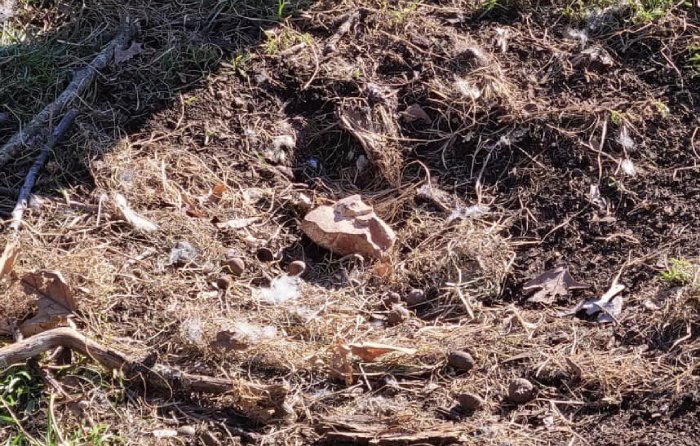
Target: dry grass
<point>211,105</point>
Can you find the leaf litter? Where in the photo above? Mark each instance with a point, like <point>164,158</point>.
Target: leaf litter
<point>553,284</point>
<point>54,300</point>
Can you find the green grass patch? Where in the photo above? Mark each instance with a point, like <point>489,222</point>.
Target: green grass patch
<point>679,272</point>
<point>30,76</point>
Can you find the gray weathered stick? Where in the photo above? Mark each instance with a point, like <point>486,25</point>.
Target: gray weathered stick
<point>30,179</point>
<point>80,82</point>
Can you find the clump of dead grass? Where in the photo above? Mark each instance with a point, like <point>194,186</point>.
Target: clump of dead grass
<point>463,252</point>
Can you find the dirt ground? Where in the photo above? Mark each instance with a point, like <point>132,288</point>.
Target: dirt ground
<point>500,139</point>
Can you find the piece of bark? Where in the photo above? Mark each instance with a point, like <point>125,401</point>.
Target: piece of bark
<point>349,227</point>
<point>365,430</point>
<point>253,399</point>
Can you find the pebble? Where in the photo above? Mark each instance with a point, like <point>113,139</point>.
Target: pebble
<point>461,361</point>
<point>296,268</point>
<point>415,297</point>
<point>521,391</point>
<point>222,283</point>
<point>470,401</point>
<point>398,314</point>
<point>236,265</point>
<point>265,255</point>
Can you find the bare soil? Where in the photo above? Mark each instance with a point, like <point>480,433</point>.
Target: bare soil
<point>570,128</point>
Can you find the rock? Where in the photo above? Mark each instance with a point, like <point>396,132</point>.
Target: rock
<point>222,283</point>
<point>521,391</point>
<point>235,265</point>
<point>460,361</point>
<point>182,253</point>
<point>349,227</point>
<point>398,314</point>
<point>266,255</point>
<point>415,297</point>
<point>470,401</point>
<point>296,268</point>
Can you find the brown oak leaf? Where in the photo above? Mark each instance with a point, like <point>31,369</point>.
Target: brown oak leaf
<point>55,301</point>
<point>553,283</point>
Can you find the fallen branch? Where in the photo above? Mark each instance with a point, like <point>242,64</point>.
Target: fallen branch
<point>364,430</point>
<point>30,179</point>
<point>78,85</point>
<point>261,402</point>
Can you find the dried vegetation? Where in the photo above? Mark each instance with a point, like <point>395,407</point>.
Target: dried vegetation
<point>496,138</point>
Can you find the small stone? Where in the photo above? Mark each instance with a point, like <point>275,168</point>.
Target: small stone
<point>460,361</point>
<point>415,297</point>
<point>236,265</point>
<point>470,401</point>
<point>222,283</point>
<point>266,255</point>
<point>521,391</point>
<point>296,268</point>
<point>398,314</point>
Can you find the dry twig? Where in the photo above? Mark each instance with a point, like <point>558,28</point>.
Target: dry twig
<point>82,79</point>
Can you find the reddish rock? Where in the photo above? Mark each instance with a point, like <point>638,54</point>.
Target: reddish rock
<point>349,227</point>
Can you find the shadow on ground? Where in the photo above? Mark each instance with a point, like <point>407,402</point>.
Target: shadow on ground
<point>181,45</point>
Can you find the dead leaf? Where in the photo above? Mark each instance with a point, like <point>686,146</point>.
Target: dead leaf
<point>553,283</point>
<point>340,366</point>
<point>54,299</point>
<point>369,351</point>
<point>121,56</point>
<point>191,208</point>
<point>415,112</point>
<point>237,223</point>
<point>217,193</point>
<point>138,222</point>
<point>7,260</point>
